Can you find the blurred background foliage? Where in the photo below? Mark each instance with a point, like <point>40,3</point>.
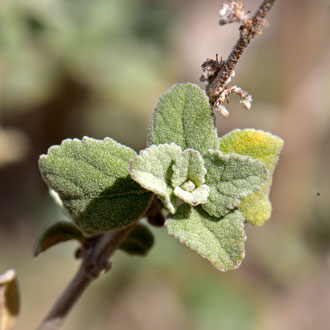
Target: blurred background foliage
<point>70,68</point>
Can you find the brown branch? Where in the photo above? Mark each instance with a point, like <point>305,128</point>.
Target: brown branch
<point>247,32</point>
<point>95,259</point>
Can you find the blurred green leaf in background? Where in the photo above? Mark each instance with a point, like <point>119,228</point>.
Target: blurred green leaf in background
<point>114,48</point>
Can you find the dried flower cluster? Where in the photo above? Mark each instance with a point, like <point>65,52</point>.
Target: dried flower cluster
<point>217,74</point>
<point>245,99</point>
<point>233,11</point>
<point>210,69</point>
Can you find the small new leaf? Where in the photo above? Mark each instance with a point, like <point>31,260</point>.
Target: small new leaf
<point>195,197</point>
<point>139,241</point>
<point>91,177</point>
<point>189,166</point>
<point>170,173</point>
<point>230,178</point>
<point>152,169</point>
<point>57,233</point>
<point>188,178</point>
<point>220,240</point>
<point>265,147</point>
<point>184,116</point>
<point>9,299</point>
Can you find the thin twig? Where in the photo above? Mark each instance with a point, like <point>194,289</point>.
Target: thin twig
<point>247,33</point>
<point>95,259</point>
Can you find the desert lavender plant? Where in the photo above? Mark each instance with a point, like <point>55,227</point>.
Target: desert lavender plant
<point>201,187</point>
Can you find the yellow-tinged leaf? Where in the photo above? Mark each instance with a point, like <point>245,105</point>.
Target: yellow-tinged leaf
<point>259,145</point>
<point>9,299</point>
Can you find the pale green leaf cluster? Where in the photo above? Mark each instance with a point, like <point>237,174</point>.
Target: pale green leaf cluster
<point>170,174</point>
<point>218,186</point>
<point>209,186</point>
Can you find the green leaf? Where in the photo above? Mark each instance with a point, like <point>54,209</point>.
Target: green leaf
<point>189,166</point>
<point>184,116</point>
<point>91,177</point>
<point>220,240</point>
<point>9,299</point>
<point>188,178</point>
<point>57,233</point>
<point>230,178</point>
<point>152,169</point>
<point>259,145</point>
<point>139,241</point>
<point>195,197</point>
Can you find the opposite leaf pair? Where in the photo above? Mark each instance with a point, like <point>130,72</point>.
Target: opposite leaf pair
<point>216,179</point>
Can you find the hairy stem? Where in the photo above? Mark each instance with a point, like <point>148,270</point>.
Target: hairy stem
<point>247,33</point>
<point>95,259</point>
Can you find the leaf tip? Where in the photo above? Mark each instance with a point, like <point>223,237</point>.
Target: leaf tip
<point>8,276</point>
<point>54,234</point>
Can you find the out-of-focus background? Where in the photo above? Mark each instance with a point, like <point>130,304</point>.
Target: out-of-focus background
<point>70,68</point>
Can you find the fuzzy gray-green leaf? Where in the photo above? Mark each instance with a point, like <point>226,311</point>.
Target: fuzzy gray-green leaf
<point>152,169</point>
<point>220,240</point>
<point>198,196</point>
<point>184,116</point>
<point>189,166</point>
<point>91,177</point>
<point>230,178</point>
<point>188,178</point>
